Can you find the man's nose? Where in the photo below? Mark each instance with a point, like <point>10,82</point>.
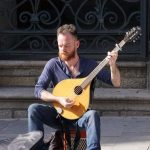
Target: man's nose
<point>63,48</point>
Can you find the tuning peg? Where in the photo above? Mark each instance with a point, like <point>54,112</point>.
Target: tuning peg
<point>134,41</point>
<point>127,33</point>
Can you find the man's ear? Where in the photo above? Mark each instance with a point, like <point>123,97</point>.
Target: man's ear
<point>78,43</point>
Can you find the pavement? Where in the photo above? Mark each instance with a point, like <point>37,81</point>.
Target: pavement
<point>117,133</point>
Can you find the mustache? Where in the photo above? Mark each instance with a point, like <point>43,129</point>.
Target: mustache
<point>64,53</point>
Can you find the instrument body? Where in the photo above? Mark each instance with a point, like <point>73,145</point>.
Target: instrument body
<point>66,88</point>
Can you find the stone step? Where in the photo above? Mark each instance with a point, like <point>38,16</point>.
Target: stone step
<point>117,133</point>
<point>26,73</point>
<point>14,101</point>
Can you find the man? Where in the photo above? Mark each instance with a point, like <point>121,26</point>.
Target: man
<point>69,65</point>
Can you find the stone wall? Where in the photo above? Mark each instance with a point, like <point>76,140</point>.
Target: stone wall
<point>26,73</point>
<point>19,77</point>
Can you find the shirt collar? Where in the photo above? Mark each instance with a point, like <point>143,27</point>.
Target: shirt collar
<point>66,69</point>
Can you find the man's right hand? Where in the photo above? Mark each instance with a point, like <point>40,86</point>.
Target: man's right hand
<point>66,102</point>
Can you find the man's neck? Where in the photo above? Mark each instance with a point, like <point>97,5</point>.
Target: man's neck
<point>72,62</point>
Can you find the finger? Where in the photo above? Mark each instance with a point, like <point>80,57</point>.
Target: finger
<point>69,100</point>
<point>69,105</point>
<point>108,53</point>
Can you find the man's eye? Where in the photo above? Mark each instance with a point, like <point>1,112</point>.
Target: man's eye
<point>63,46</point>
<point>66,45</point>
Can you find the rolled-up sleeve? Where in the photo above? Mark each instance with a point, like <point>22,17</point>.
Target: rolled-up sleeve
<point>44,79</point>
<point>105,76</point>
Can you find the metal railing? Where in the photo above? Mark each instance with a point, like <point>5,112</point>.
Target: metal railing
<point>28,27</point>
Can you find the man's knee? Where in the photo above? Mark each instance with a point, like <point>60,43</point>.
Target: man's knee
<point>93,113</point>
<point>32,109</point>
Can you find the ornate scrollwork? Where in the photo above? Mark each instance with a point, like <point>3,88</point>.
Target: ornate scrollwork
<point>32,24</point>
<point>32,17</point>
<point>97,15</point>
<point>104,15</point>
<point>98,42</point>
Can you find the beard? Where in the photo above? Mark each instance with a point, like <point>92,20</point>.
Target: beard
<point>66,56</point>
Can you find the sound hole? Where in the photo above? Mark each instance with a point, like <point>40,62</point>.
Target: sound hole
<point>78,90</point>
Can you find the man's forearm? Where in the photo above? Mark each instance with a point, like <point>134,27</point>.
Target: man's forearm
<point>48,97</point>
<point>115,76</point>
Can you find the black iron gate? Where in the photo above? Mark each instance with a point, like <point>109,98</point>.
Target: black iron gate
<point>28,27</point>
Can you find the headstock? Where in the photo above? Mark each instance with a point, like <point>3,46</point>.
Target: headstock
<point>133,34</point>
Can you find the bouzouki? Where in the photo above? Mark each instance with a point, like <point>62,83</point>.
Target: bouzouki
<point>78,90</point>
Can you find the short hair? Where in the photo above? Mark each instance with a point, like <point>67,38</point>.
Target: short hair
<point>67,28</point>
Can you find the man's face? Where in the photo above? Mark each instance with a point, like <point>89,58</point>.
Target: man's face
<point>67,45</point>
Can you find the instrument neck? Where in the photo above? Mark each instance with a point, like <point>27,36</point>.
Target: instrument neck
<point>100,66</point>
